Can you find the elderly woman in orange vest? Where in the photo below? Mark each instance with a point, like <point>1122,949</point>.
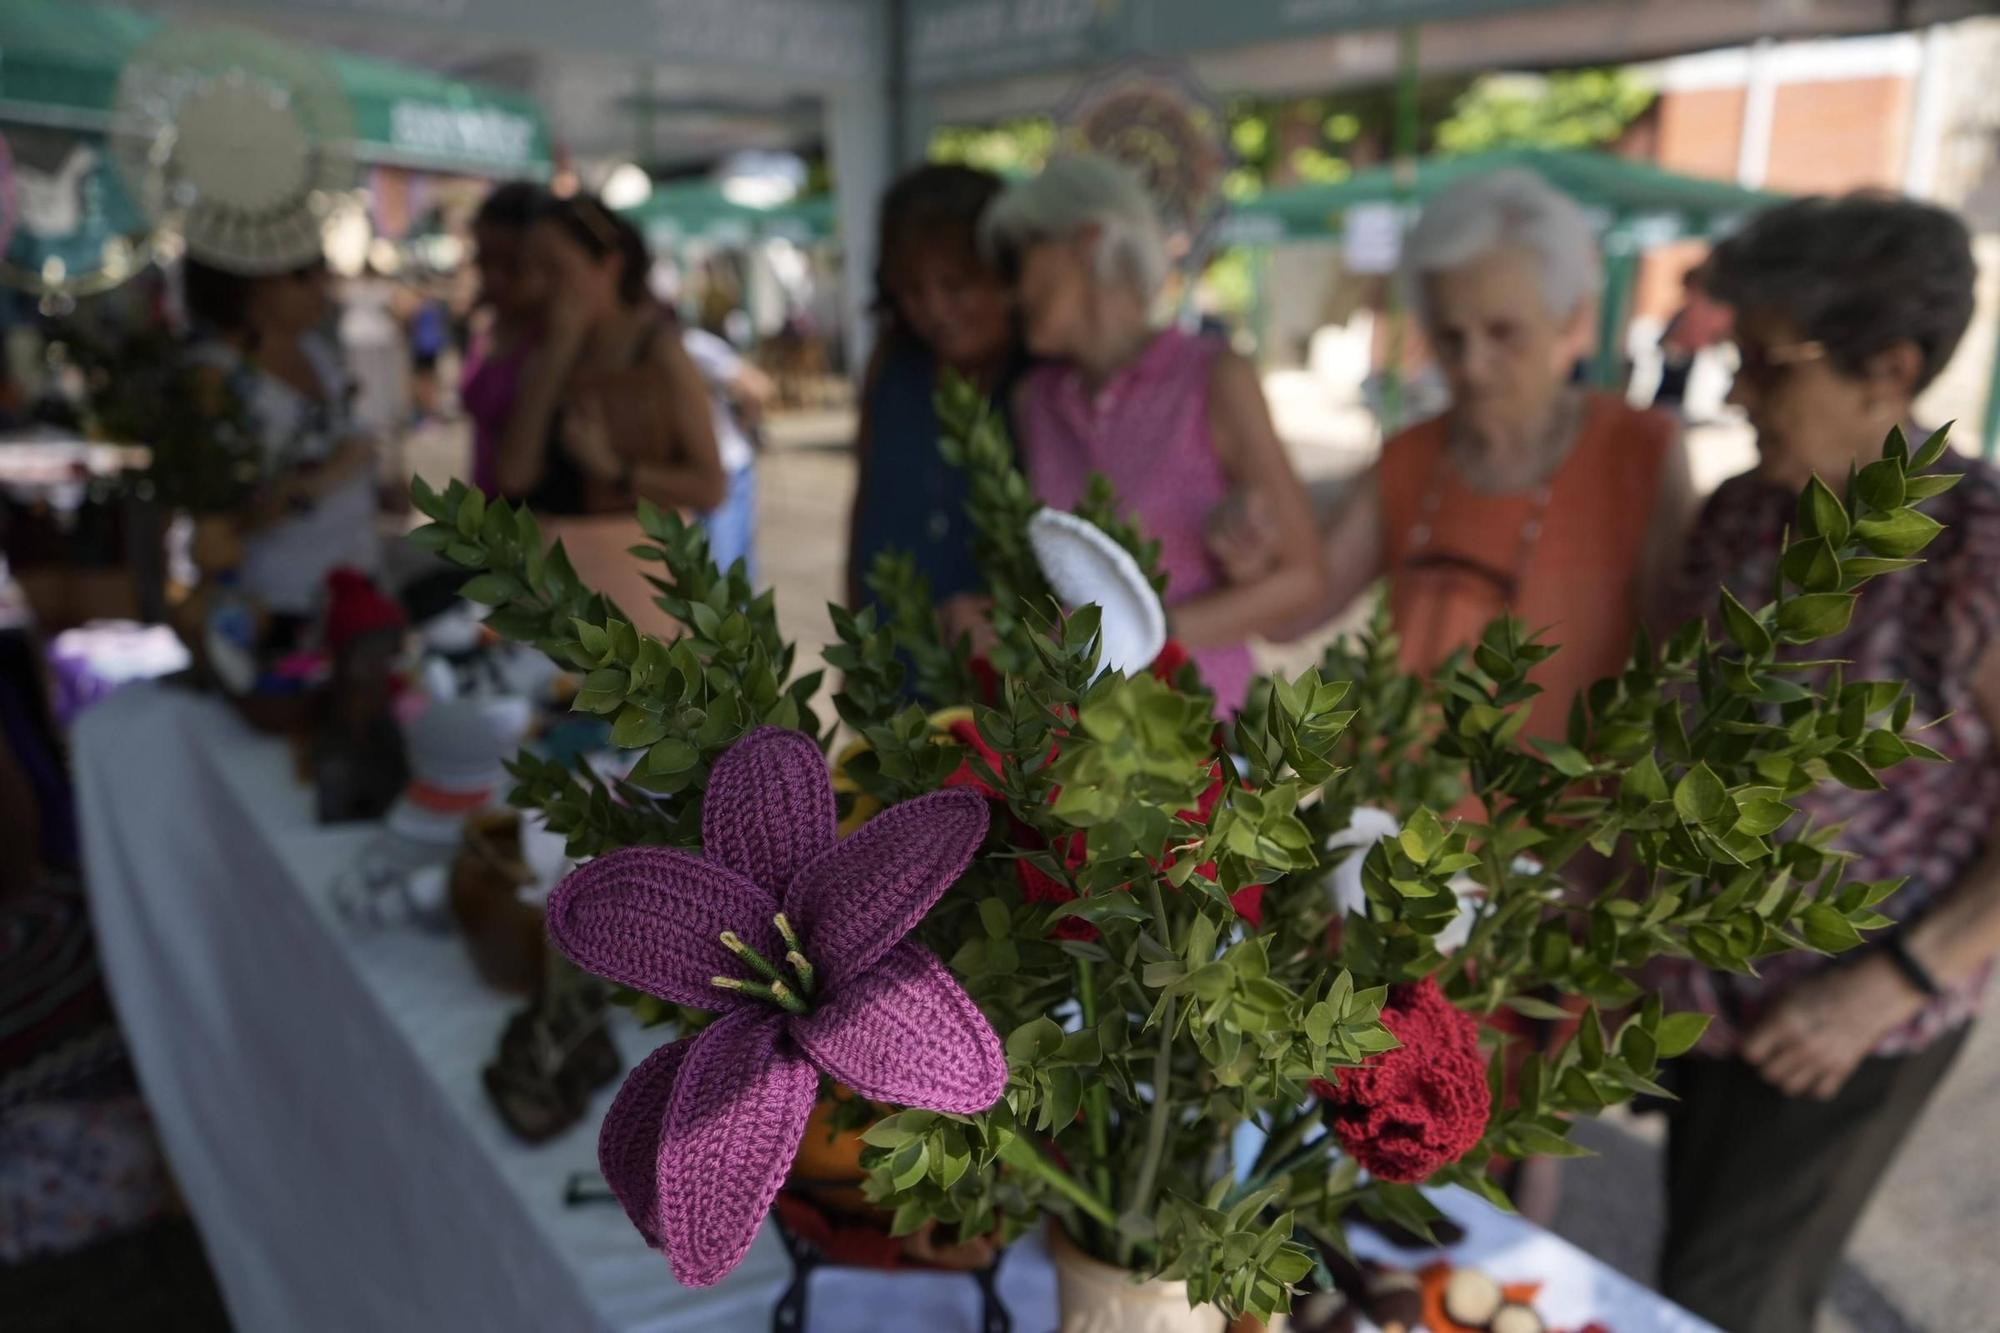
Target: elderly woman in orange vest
<point>1529,495</point>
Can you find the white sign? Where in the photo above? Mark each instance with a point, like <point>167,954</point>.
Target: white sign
<point>1372,240</point>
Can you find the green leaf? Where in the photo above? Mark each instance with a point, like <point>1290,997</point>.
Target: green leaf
<point>1923,488</point>
<point>1851,772</point>
<point>1744,629</point>
<point>1529,1007</point>
<point>491,589</point>
<point>1880,485</point>
<point>994,916</point>
<point>1821,514</point>
<point>1869,566</point>
<point>1815,615</point>
<point>1932,449</point>
<point>1701,799</point>
<point>1679,1033</point>
<point>636,728</point>
<point>1902,533</point>
<point>1644,781</point>
<point>471,512</point>
<point>1034,1041</point>
<point>1422,836</point>
<point>1827,930</point>
<point>1813,565</point>
<point>1762,817</point>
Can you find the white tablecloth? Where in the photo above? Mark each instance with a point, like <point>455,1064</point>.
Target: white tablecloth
<point>318,1093</point>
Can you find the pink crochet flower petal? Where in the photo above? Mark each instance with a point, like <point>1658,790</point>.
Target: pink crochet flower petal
<point>854,904</point>
<point>734,1123</point>
<point>628,1147</point>
<point>907,1033</point>
<point>769,808</point>
<point>652,917</point>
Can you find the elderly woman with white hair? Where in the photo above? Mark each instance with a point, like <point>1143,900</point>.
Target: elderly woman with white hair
<point>1528,495</point>
<point>1174,421</point>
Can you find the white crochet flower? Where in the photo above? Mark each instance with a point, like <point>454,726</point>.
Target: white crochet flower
<point>1367,827</point>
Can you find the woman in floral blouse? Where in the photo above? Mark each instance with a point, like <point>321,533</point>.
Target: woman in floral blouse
<point>1815,1070</point>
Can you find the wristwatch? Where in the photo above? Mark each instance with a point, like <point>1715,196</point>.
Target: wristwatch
<point>1897,950</point>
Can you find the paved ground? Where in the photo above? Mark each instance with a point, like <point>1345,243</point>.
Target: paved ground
<point>1925,1258</point>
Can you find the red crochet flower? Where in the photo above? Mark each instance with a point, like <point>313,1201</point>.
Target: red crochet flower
<point>1405,1113</point>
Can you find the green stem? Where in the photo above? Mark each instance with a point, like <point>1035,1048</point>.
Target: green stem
<point>1163,1059</point>
<point>1283,1141</point>
<point>1021,1154</point>
<point>1096,1109</point>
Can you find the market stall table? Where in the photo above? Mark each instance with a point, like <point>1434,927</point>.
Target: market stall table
<point>317,1089</point>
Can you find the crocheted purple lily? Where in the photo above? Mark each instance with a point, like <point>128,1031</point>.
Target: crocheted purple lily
<point>796,937</point>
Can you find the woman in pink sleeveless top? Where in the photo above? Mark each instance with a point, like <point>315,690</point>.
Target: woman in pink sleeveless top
<point>1175,422</point>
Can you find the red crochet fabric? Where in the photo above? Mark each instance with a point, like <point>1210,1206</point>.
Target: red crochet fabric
<point>966,733</point>
<point>354,606</point>
<point>1037,886</point>
<point>1405,1113</point>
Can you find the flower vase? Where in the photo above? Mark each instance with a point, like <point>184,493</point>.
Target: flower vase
<point>1096,1297</point>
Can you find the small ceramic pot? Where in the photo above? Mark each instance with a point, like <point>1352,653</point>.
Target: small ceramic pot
<point>504,934</point>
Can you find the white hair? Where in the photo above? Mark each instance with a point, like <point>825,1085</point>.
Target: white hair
<point>1515,209</point>
<point>1073,193</point>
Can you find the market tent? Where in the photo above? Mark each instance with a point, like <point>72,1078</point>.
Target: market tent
<point>1624,195</point>
<point>699,211</point>
<point>60,62</point>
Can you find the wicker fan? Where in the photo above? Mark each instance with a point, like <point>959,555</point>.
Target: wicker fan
<point>1153,117</point>
<point>238,142</point>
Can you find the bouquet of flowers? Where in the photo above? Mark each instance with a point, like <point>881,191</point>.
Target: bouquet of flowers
<point>1066,937</point>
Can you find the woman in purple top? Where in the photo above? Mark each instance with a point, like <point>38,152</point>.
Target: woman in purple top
<point>510,290</point>
<point>1175,422</point>
<point>1814,1069</point>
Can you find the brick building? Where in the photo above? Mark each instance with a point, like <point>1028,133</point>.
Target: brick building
<point>1915,112</point>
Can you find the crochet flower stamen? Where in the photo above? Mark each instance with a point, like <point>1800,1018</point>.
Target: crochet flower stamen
<point>796,939</point>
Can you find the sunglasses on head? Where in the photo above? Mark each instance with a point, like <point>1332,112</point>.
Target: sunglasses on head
<point>1766,365</point>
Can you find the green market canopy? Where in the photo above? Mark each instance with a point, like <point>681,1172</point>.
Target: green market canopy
<point>682,211</point>
<point>60,62</point>
<point>1635,202</point>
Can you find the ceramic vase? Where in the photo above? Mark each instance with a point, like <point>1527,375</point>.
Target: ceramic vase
<point>1096,1297</point>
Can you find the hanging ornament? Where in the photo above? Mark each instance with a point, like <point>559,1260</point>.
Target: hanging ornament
<point>241,144</point>
<point>1158,121</point>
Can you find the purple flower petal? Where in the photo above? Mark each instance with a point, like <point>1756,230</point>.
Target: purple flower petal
<point>628,1147</point>
<point>855,903</point>
<point>907,1033</point>
<point>652,917</point>
<point>769,809</point>
<point>735,1121</point>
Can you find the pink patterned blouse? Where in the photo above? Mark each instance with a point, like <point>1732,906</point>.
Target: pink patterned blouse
<point>1147,431</point>
<point>1929,626</point>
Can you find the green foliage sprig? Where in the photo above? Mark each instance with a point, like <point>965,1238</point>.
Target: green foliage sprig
<point>1145,1021</point>
<point>204,458</point>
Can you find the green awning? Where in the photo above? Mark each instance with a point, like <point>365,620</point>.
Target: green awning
<point>1635,199</point>
<point>681,211</point>
<point>60,61</point>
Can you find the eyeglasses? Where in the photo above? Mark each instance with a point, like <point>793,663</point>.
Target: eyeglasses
<point>1764,367</point>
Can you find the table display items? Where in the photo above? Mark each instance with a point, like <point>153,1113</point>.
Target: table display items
<point>358,763</point>
<point>456,752</point>
<point>1086,941</point>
